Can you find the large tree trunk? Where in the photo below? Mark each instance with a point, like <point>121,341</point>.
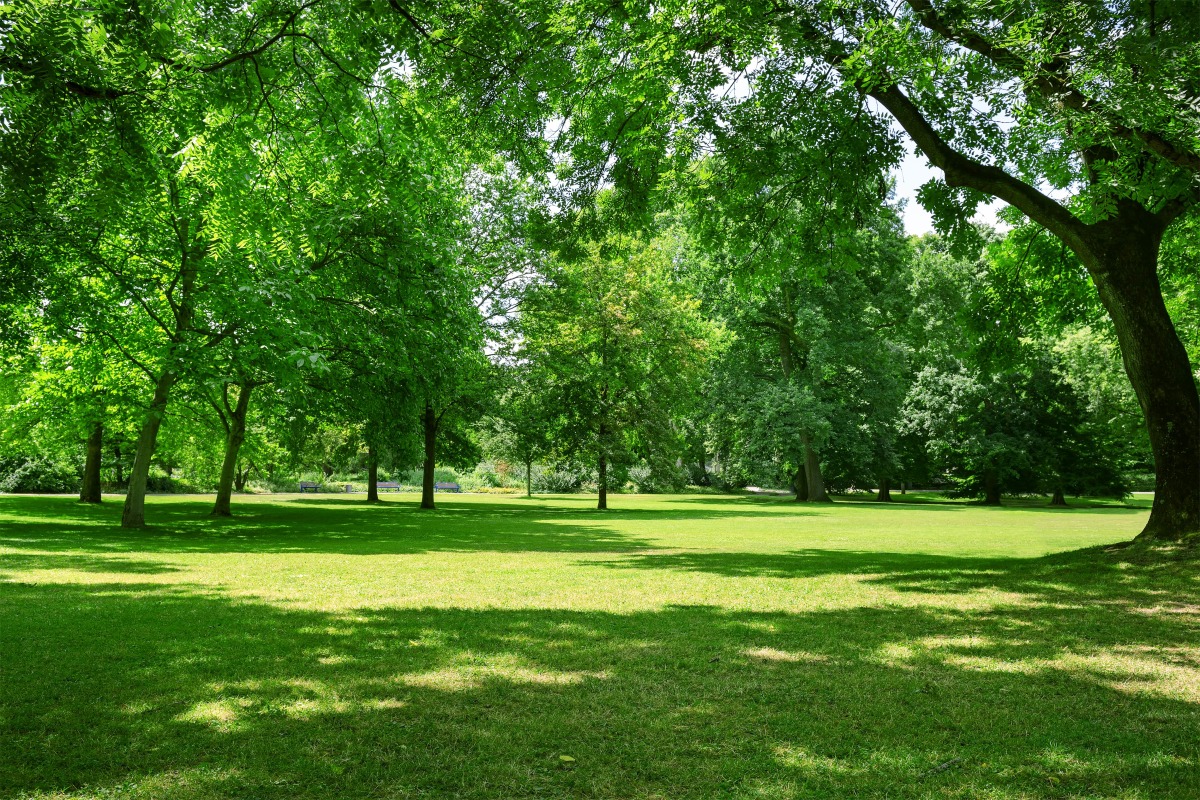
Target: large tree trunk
<point>430,424</point>
<point>1124,267</point>
<point>885,491</point>
<point>372,474</point>
<point>1059,499</point>
<point>234,436</point>
<point>89,492</point>
<point>991,488</point>
<point>800,484</point>
<point>134,513</point>
<point>812,470</point>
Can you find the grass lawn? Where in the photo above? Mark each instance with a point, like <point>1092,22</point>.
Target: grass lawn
<point>673,647</point>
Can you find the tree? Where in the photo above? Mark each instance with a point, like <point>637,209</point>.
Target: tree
<point>620,348</point>
<point>1096,97</point>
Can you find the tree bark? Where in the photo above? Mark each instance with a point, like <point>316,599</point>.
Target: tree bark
<point>234,436</point>
<point>1059,499</point>
<point>89,492</point>
<point>430,424</point>
<point>602,483</point>
<point>1124,268</point>
<point>812,471</point>
<point>800,484</point>
<point>133,515</point>
<point>240,476</point>
<point>885,491</point>
<point>372,474</point>
<point>529,478</point>
<point>991,489</point>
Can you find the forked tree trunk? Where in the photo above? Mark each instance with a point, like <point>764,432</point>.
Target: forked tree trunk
<point>372,474</point>
<point>233,445</point>
<point>239,479</point>
<point>1124,267</point>
<point>89,491</point>
<point>885,491</point>
<point>430,422</point>
<point>800,485</point>
<point>133,515</point>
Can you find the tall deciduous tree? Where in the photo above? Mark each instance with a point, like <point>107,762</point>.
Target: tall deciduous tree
<point>620,347</point>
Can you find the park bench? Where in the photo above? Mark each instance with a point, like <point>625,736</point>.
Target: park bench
<point>395,487</point>
<point>447,487</point>
<point>307,486</point>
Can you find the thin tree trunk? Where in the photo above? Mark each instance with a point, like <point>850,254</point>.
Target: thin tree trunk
<point>239,479</point>
<point>134,513</point>
<point>529,479</point>
<point>372,474</point>
<point>885,491</point>
<point>812,469</point>
<point>1157,364</point>
<point>1059,499</point>
<point>800,484</point>
<point>89,492</point>
<point>119,465</point>
<point>430,424</point>
<point>991,489</point>
<point>235,435</point>
<point>602,483</point>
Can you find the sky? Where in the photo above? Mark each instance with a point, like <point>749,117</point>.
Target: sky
<point>915,170</point>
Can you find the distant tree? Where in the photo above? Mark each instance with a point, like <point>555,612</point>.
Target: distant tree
<point>620,349</point>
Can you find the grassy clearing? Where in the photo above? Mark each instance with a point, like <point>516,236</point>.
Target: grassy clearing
<point>673,647</point>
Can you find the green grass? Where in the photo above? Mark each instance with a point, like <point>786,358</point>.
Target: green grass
<point>674,647</point>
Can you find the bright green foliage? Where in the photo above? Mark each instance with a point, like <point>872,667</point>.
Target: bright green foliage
<point>617,348</point>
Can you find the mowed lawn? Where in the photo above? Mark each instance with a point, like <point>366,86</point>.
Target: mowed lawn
<point>673,647</point>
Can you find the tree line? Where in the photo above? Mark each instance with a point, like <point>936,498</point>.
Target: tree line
<point>624,233</point>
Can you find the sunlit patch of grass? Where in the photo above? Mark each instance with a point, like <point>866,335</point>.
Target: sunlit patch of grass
<point>675,647</point>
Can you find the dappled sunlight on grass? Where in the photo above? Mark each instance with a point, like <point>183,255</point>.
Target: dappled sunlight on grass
<point>730,653</point>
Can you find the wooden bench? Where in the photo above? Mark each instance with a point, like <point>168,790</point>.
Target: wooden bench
<point>395,487</point>
<point>307,486</point>
<point>447,487</point>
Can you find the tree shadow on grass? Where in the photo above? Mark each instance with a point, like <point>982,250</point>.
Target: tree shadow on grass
<point>151,691</point>
<point>1095,574</point>
<point>330,526</point>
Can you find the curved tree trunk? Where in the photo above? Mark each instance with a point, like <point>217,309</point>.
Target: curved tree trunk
<point>372,474</point>
<point>233,444</point>
<point>133,515</point>
<point>1125,271</point>
<point>89,491</point>
<point>430,424</point>
<point>885,491</point>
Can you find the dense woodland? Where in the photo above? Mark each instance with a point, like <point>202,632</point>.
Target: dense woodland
<point>592,245</point>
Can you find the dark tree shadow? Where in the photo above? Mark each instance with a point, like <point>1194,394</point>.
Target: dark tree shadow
<point>186,693</point>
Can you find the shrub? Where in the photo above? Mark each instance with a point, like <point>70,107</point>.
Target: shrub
<point>36,474</point>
